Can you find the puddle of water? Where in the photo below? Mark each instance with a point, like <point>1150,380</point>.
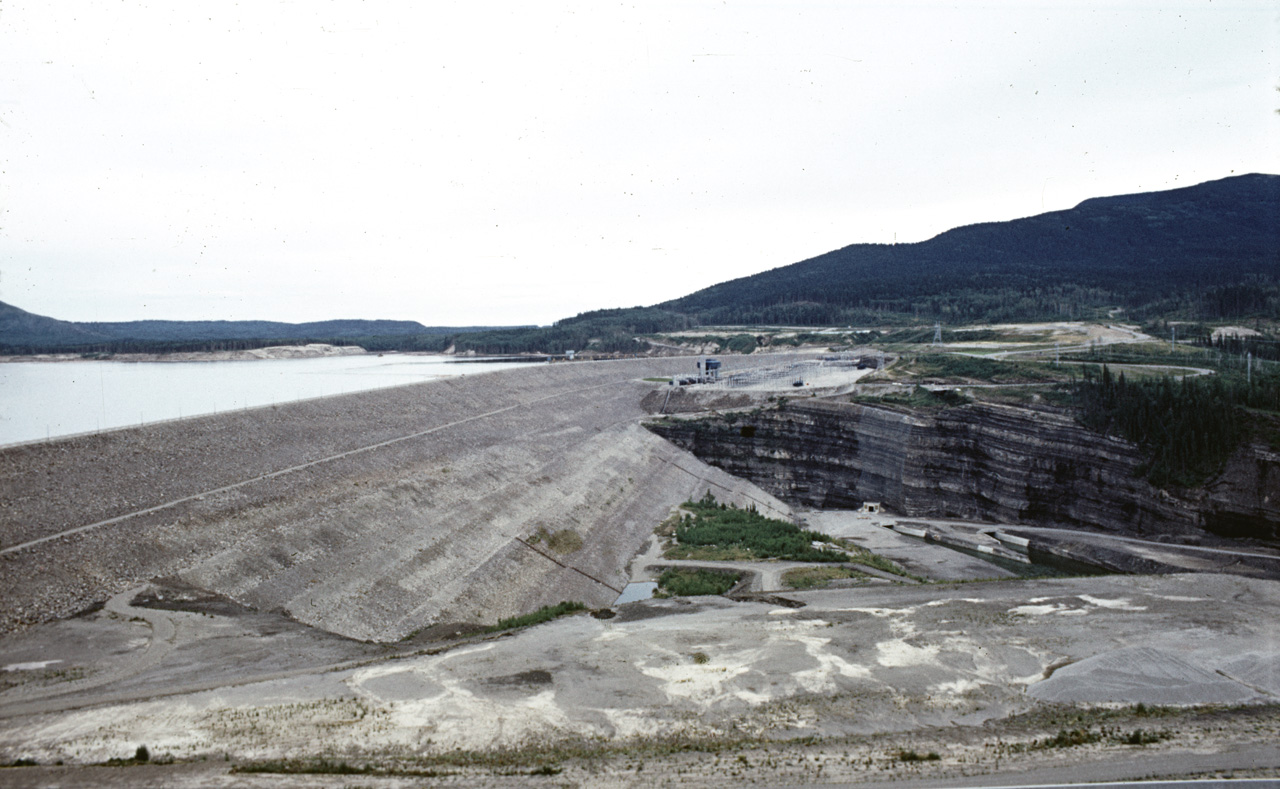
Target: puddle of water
<point>642,590</point>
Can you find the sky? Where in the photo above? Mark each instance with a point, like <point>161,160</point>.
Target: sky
<point>508,163</point>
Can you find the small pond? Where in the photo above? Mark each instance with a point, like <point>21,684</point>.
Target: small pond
<point>641,590</point>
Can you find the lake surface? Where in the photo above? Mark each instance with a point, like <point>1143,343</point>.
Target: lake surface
<point>40,400</point>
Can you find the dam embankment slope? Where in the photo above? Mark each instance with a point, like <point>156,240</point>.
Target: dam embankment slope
<point>370,515</point>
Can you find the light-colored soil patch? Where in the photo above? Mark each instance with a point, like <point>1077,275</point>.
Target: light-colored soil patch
<point>851,661</point>
<point>1234,331</point>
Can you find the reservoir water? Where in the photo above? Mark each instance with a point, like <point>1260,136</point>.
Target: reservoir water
<point>40,400</point>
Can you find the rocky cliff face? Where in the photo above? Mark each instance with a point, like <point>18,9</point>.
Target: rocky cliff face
<point>982,461</point>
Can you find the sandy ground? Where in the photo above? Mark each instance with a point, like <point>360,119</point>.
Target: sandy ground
<point>1065,333</point>
<point>1234,331</point>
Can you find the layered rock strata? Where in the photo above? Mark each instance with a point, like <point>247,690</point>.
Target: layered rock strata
<point>980,461</point>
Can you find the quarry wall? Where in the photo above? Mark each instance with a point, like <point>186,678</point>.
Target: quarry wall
<point>983,461</point>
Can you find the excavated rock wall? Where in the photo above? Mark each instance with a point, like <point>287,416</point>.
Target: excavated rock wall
<point>982,461</point>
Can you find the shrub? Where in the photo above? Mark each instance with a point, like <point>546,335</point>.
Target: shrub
<point>904,755</point>
<point>691,583</point>
<point>812,577</point>
<point>543,614</point>
<point>715,525</point>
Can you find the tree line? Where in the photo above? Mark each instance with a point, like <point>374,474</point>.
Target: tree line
<point>1185,428</point>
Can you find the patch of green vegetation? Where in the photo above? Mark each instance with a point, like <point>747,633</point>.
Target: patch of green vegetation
<point>1186,428</point>
<point>667,528</point>
<point>710,553</point>
<point>1075,737</point>
<point>741,343</point>
<point>563,541</point>
<point>714,525</point>
<point>659,380</point>
<point>946,366</point>
<point>904,755</point>
<point>720,340</point>
<point>21,763</point>
<point>860,555</point>
<point>817,577</point>
<point>141,755</point>
<point>544,614</point>
<point>804,338</point>
<point>545,758</point>
<point>1068,738</point>
<point>1145,353</point>
<point>1143,737</point>
<point>546,769</point>
<point>327,767</point>
<point>687,582</point>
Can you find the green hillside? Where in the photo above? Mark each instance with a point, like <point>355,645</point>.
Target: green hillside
<point>1204,252</point>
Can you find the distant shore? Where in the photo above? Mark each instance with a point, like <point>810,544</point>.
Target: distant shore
<point>310,351</point>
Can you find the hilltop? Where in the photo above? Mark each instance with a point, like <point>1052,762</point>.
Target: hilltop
<point>1205,251</point>
<point>1209,252</point>
<point>22,331</point>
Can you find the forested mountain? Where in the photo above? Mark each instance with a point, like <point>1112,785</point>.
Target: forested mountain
<point>22,331</point>
<point>1207,251</point>
<point>1203,253</point>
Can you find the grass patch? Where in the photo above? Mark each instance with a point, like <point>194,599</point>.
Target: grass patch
<point>562,542</point>
<point>659,380</point>
<point>745,533</point>
<point>668,526</point>
<point>545,759</point>
<point>565,541</point>
<point>687,582</point>
<point>326,767</point>
<point>543,614</point>
<point>711,553</point>
<point>949,367</point>
<point>1074,738</point>
<point>860,555</point>
<point>817,577</point>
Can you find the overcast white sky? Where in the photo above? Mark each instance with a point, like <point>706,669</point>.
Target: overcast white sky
<point>503,163</point>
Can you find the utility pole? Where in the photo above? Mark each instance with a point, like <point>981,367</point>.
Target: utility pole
<point>1248,376</point>
<point>937,334</point>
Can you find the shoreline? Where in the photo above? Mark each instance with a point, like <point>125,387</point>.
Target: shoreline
<point>271,352</point>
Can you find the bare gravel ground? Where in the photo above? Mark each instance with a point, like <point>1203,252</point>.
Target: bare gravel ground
<point>709,691</point>
<point>372,515</point>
